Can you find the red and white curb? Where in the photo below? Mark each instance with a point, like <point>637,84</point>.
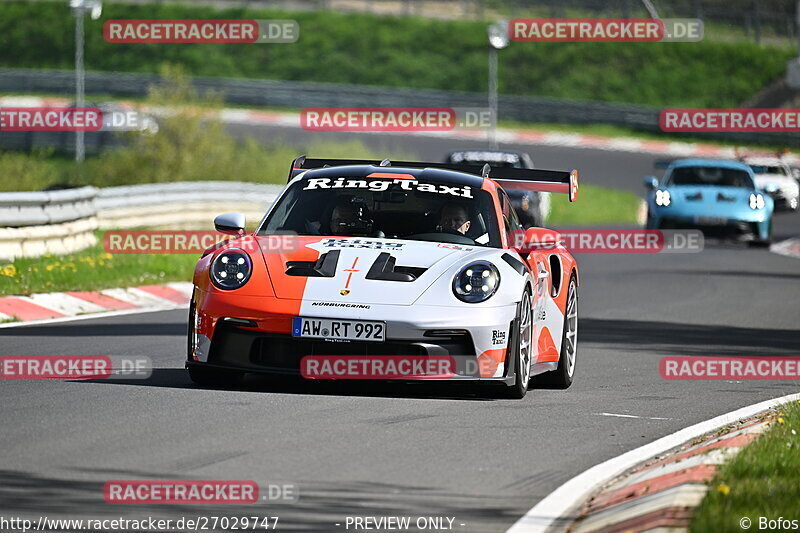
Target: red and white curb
<point>58,306</point>
<point>663,493</point>
<point>504,135</point>
<point>789,248</point>
<point>648,482</point>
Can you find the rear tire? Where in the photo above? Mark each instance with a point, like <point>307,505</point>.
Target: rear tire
<point>214,377</point>
<point>561,377</point>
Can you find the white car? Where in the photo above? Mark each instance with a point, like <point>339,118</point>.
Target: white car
<point>774,176</point>
<point>403,259</point>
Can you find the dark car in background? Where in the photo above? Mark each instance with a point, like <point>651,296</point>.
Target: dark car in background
<point>532,207</point>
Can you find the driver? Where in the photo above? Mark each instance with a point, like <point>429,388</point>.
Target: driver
<point>454,218</point>
<point>350,217</point>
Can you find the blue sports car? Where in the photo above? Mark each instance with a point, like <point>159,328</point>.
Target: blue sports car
<point>716,196</point>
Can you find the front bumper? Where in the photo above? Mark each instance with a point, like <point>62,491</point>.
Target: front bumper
<point>251,337</point>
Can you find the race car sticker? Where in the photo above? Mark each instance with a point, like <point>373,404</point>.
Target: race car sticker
<point>341,304</point>
<point>362,243</point>
<point>499,337</point>
<point>454,246</point>
<point>379,185</point>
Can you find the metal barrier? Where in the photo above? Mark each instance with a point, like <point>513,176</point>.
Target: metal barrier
<point>181,205</point>
<point>60,222</point>
<point>55,222</point>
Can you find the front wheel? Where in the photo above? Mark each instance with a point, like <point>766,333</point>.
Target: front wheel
<point>561,377</point>
<point>522,346</point>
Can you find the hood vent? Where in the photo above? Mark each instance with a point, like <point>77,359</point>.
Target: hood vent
<point>696,197</point>
<point>384,269</point>
<point>722,198</point>
<point>324,267</point>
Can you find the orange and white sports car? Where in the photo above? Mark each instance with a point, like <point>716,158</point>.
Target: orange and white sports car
<point>381,259</point>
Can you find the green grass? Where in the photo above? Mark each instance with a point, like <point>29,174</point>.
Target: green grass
<point>405,52</point>
<point>761,481</point>
<point>595,205</point>
<point>92,269</point>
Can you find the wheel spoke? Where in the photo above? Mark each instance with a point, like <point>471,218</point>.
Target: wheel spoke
<point>571,335</point>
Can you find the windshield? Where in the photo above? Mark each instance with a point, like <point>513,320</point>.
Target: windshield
<point>397,208</point>
<point>767,169</point>
<point>717,176</point>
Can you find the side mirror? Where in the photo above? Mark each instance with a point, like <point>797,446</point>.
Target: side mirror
<point>230,223</point>
<point>651,182</point>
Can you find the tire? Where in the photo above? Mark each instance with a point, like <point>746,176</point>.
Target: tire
<point>214,377</point>
<point>523,346</point>
<point>561,377</point>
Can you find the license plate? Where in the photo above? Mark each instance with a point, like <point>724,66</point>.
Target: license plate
<point>711,221</point>
<point>350,330</point>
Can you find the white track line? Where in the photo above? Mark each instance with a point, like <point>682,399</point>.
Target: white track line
<point>545,514</point>
<point>633,416</point>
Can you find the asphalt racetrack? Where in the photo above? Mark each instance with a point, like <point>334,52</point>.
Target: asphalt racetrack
<point>402,450</point>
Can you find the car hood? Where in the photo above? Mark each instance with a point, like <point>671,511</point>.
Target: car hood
<point>709,194</point>
<point>709,200</point>
<point>349,276</point>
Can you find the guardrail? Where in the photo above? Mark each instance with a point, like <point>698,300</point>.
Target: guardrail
<point>47,222</point>
<point>181,205</point>
<point>59,222</point>
<point>292,94</point>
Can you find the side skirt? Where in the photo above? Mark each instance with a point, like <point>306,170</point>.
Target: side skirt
<point>541,368</point>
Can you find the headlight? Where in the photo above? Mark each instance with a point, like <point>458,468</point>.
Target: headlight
<point>231,269</point>
<point>662,198</point>
<point>757,201</point>
<point>476,282</point>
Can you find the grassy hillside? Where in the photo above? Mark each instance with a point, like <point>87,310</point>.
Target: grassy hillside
<point>405,52</point>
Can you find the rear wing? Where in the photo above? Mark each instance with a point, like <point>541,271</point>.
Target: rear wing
<point>534,179</point>
<point>557,181</point>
